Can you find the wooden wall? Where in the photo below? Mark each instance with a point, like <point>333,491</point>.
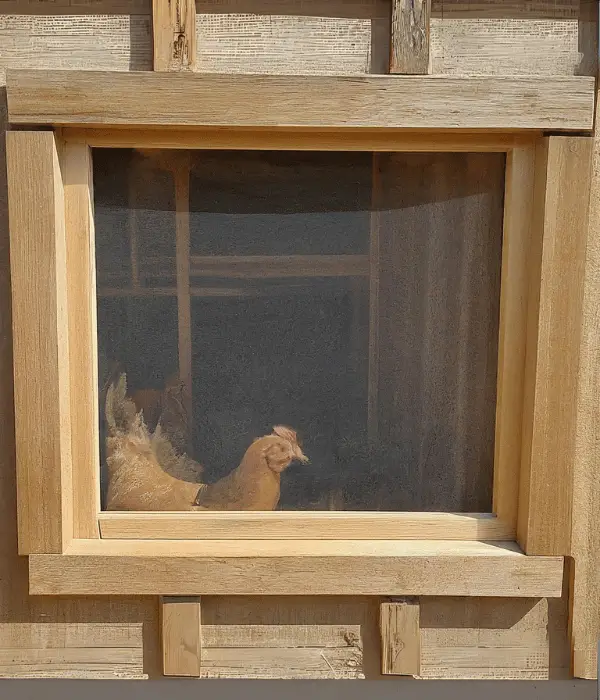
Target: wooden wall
<point>304,36</point>
<point>120,637</point>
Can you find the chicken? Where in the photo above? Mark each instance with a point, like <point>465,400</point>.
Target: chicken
<point>255,484</point>
<point>145,472</point>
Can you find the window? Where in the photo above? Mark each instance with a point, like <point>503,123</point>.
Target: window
<point>353,297</point>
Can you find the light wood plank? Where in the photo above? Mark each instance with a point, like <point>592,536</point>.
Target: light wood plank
<point>422,102</point>
<point>585,538</point>
<point>174,34</point>
<point>105,567</point>
<point>181,177</point>
<point>181,636</point>
<point>273,266</point>
<point>55,40</point>
<point>563,167</point>
<point>308,663</point>
<point>40,342</point>
<point>280,636</point>
<point>518,210</point>
<point>410,36</point>
<point>70,635</point>
<point>400,638</point>
<point>75,7</point>
<point>480,638</point>
<point>300,140</point>
<point>83,360</point>
<point>71,650</point>
<point>374,272</point>
<point>296,525</point>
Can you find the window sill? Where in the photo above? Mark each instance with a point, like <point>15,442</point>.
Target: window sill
<point>300,567</point>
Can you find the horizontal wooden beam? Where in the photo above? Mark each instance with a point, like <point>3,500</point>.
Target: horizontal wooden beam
<point>248,139</point>
<point>301,567</point>
<point>193,99</point>
<point>271,266</point>
<point>279,525</point>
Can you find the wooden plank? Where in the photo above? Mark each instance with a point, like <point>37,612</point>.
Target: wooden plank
<point>132,195</point>
<point>518,44</point>
<point>174,34</point>
<point>307,663</point>
<point>481,638</point>
<point>273,266</point>
<point>300,140</point>
<point>40,342</point>
<point>556,272</point>
<point>181,636</point>
<point>70,635</point>
<point>518,211</point>
<point>374,271</point>
<point>410,36</point>
<point>55,40</point>
<point>75,7</point>
<point>400,638</point>
<point>71,650</point>
<point>393,568</point>
<point>283,38</point>
<point>83,360</point>
<point>228,636</point>
<point>585,537</point>
<point>421,102</point>
<point>294,525</point>
<point>181,176</point>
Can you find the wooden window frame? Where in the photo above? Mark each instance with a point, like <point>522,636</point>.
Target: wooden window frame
<point>74,549</point>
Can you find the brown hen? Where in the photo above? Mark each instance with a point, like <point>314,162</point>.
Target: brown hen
<point>255,484</point>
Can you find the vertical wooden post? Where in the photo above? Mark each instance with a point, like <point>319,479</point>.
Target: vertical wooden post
<point>400,638</point>
<point>184,313</point>
<point>374,270</point>
<point>559,233</point>
<point>174,34</point>
<point>585,538</point>
<point>181,636</point>
<point>516,245</point>
<point>83,345</point>
<point>410,37</point>
<point>38,259</point>
<point>134,174</point>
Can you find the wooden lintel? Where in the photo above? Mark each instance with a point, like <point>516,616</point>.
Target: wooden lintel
<point>146,99</point>
<point>410,37</point>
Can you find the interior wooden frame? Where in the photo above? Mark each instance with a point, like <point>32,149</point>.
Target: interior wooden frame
<point>75,549</point>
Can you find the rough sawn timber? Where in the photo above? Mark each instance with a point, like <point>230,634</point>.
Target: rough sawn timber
<point>304,567</point>
<point>191,99</point>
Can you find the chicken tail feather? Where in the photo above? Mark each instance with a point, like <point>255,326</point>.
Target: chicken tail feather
<point>119,410</point>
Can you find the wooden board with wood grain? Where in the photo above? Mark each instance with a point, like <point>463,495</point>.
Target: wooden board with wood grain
<point>40,341</point>
<point>400,638</point>
<point>585,532</point>
<point>181,636</point>
<point>556,265</point>
<point>410,36</point>
<point>174,34</point>
<point>191,99</point>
